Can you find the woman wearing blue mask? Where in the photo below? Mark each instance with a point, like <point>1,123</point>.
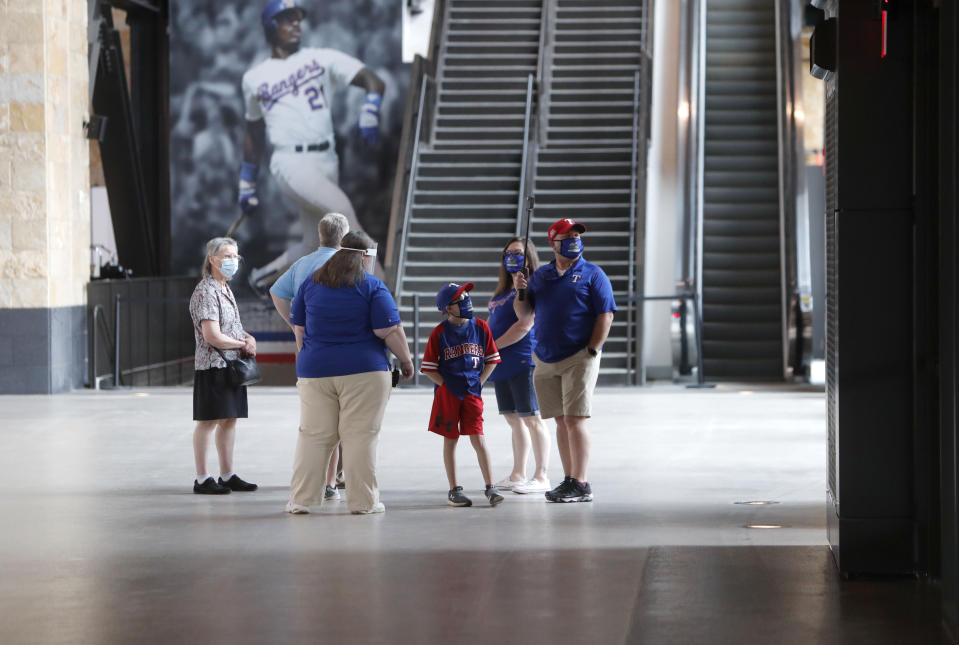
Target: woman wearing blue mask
<point>513,378</point>
<point>217,404</point>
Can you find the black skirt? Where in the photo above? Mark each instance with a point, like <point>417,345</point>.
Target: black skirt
<point>214,398</point>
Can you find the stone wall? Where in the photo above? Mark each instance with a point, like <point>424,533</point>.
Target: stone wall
<point>44,184</point>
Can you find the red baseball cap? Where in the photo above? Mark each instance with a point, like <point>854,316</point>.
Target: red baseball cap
<point>562,226</point>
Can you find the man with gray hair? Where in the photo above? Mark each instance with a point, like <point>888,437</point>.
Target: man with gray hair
<point>332,228</point>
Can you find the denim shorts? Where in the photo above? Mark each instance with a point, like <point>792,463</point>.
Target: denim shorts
<point>516,395</point>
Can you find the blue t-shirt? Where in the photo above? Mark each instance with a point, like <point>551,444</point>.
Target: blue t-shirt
<point>517,357</point>
<point>339,338</point>
<point>566,307</point>
<point>288,284</point>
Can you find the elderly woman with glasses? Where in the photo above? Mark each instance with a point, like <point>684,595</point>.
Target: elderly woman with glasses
<point>216,403</point>
<point>344,319</point>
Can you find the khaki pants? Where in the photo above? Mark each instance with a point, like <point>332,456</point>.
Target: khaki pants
<point>339,408</point>
<point>566,387</point>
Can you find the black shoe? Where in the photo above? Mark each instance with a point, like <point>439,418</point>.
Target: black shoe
<point>457,498</point>
<point>330,493</point>
<point>237,484</point>
<point>493,495</point>
<point>559,490</point>
<point>209,487</point>
<point>576,492</point>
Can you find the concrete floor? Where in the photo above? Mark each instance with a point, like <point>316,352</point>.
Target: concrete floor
<point>103,541</point>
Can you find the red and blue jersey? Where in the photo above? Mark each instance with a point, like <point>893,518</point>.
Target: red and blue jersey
<point>459,353</point>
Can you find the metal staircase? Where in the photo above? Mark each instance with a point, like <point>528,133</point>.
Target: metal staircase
<point>586,155</point>
<point>466,190</point>
<point>742,263</point>
<point>466,174</point>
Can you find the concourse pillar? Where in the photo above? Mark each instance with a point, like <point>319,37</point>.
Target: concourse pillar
<point>44,195</point>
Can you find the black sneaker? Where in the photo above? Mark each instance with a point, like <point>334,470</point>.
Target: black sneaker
<point>330,493</point>
<point>493,495</point>
<point>457,498</point>
<point>577,491</point>
<point>237,484</point>
<point>209,487</point>
<point>559,490</point>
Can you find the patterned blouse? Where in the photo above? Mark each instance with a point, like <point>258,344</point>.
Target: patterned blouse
<point>212,301</point>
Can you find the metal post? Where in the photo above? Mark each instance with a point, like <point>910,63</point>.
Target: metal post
<point>416,337</point>
<point>93,330</point>
<point>697,320</point>
<point>116,340</point>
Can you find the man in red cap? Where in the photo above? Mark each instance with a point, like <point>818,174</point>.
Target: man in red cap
<point>574,307</point>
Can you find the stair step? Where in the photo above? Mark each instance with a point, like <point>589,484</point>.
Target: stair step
<point>617,47</point>
<point>434,184</point>
<point>744,245</point>
<point>466,71</point>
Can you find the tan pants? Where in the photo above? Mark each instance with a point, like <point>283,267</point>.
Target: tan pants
<point>565,388</point>
<point>339,408</point>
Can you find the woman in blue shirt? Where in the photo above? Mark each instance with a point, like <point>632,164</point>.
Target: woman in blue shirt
<point>343,318</point>
<point>513,378</point>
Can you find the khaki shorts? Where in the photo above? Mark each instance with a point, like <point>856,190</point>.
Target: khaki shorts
<point>566,387</point>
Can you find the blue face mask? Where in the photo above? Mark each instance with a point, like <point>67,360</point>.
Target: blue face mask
<point>466,307</point>
<point>513,262</point>
<point>571,247</point>
<point>229,266</point>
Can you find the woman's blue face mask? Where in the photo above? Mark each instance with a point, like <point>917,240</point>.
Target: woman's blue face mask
<point>571,247</point>
<point>513,262</point>
<point>229,266</point>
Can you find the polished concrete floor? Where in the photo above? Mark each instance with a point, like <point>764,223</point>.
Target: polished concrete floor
<point>102,540</point>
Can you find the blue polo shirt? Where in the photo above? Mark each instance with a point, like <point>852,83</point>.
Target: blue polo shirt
<point>289,283</point>
<point>339,323</point>
<point>517,357</point>
<point>566,307</point>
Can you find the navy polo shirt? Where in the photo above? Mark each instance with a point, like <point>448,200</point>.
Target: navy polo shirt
<point>566,307</point>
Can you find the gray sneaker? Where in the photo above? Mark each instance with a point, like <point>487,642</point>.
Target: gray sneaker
<point>493,495</point>
<point>330,493</point>
<point>457,498</point>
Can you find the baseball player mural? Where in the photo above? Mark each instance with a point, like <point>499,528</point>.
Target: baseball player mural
<point>287,100</point>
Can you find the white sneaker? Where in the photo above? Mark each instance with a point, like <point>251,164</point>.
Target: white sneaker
<point>532,486</point>
<point>507,484</point>
<point>297,509</point>
<point>378,508</point>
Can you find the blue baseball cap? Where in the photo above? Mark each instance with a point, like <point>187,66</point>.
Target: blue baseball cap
<point>274,8</point>
<point>449,293</point>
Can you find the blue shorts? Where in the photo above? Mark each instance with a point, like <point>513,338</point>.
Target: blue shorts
<point>516,395</point>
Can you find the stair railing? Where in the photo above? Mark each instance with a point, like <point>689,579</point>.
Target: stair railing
<point>525,165</point>
<point>631,307</point>
<point>796,280</point>
<point>399,260</point>
<point>544,63</point>
<point>421,70</point>
<point>642,86</point>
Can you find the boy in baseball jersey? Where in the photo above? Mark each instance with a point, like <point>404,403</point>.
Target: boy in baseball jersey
<point>459,357</point>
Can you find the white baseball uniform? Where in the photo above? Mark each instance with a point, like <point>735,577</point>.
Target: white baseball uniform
<point>293,96</point>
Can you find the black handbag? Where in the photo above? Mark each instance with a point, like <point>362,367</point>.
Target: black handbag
<point>241,371</point>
